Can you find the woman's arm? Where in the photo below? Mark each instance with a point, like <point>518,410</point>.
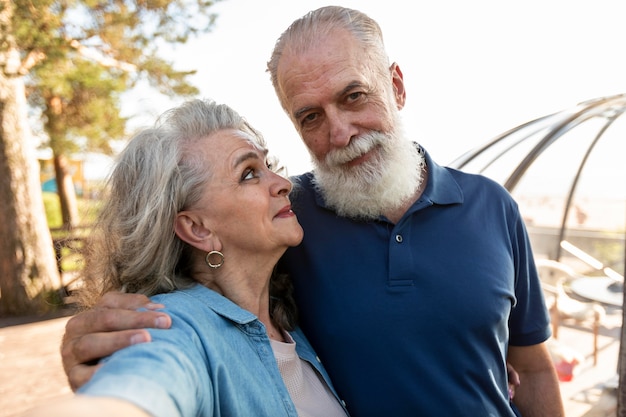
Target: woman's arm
<point>113,324</point>
<point>84,405</point>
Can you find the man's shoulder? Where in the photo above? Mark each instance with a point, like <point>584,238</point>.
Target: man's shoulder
<point>304,179</point>
<point>470,179</point>
<point>303,187</point>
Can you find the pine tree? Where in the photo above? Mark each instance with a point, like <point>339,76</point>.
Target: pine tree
<point>75,57</point>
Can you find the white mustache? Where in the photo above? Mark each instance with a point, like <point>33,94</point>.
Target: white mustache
<point>358,146</point>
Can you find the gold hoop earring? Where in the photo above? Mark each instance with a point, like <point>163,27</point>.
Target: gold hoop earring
<point>217,253</point>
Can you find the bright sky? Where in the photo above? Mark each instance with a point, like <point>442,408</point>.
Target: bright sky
<point>473,69</point>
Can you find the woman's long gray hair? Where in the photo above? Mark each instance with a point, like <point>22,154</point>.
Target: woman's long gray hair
<point>133,247</point>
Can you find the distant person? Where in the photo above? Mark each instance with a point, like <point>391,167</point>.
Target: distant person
<point>415,282</point>
<point>196,214</point>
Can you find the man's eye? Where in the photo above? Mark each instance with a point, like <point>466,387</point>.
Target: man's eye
<point>354,96</point>
<point>308,118</point>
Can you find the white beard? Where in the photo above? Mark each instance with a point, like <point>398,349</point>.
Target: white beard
<point>368,190</point>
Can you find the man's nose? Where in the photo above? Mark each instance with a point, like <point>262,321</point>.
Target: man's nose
<point>341,128</point>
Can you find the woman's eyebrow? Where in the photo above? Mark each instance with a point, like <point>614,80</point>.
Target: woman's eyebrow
<point>249,155</point>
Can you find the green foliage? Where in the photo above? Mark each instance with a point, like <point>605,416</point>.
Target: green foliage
<point>87,209</point>
<point>80,102</point>
<point>78,57</point>
<point>53,210</point>
<point>33,23</point>
<point>71,242</point>
<point>610,252</point>
<point>83,54</point>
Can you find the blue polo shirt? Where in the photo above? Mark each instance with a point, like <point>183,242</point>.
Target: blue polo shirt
<point>414,318</point>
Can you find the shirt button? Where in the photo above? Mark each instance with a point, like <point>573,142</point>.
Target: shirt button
<point>399,238</point>
<point>318,359</point>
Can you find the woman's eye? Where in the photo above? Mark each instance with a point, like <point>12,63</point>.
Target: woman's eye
<point>273,164</point>
<point>248,174</point>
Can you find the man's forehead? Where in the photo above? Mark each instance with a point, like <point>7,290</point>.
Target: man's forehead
<point>330,77</point>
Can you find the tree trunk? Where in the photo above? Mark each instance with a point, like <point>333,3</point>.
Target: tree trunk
<point>27,261</point>
<point>66,191</point>
<point>621,361</point>
<point>621,391</point>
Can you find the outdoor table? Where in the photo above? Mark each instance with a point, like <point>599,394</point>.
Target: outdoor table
<point>604,290</point>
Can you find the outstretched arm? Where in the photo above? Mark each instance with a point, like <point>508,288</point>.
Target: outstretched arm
<point>539,393</point>
<point>111,325</point>
<point>82,405</point>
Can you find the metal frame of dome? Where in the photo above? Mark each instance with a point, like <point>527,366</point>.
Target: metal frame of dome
<point>557,124</point>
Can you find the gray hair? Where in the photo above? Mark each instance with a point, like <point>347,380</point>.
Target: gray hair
<point>133,247</point>
<point>306,31</point>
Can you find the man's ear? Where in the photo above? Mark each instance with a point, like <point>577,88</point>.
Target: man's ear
<point>397,80</point>
<point>190,229</point>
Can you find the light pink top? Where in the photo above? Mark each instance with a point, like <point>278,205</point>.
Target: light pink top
<point>308,391</point>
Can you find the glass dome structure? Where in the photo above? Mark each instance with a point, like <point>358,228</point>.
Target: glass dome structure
<point>567,171</point>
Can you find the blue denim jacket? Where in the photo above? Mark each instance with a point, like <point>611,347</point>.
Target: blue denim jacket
<point>216,360</point>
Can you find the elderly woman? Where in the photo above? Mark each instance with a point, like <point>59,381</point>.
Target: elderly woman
<point>196,217</point>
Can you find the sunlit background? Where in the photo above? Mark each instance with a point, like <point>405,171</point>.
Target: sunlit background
<point>472,69</point>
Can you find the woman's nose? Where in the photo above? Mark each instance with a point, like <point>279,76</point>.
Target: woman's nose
<point>281,186</point>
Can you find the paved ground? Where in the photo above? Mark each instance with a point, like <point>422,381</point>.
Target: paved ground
<point>591,393</point>
<point>30,363</point>
<point>31,371</point>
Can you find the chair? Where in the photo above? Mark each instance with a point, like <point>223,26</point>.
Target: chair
<point>554,275</point>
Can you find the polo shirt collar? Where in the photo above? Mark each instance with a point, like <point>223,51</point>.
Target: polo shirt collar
<point>441,188</point>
